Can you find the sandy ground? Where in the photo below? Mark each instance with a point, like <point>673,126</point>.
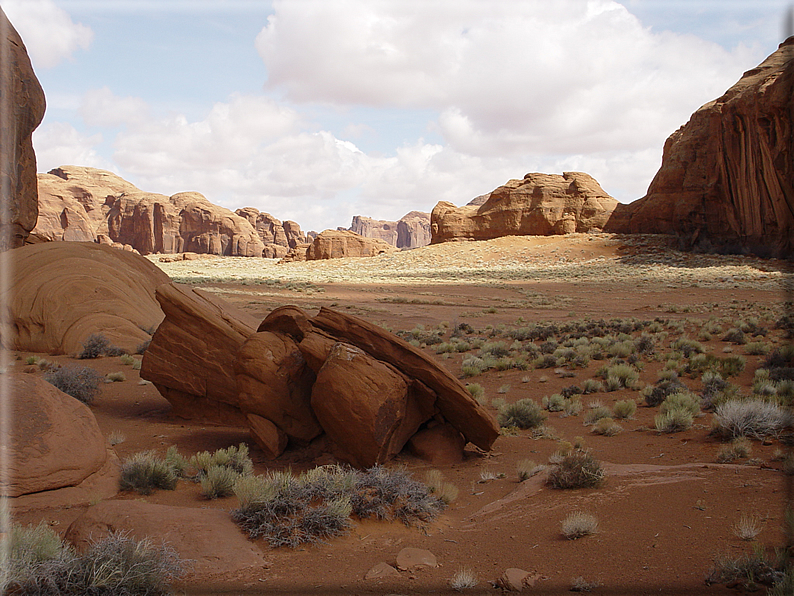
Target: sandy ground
<point>666,508</point>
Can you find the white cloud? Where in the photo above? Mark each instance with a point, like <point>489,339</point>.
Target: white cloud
<point>59,144</point>
<point>48,31</point>
<point>100,107</point>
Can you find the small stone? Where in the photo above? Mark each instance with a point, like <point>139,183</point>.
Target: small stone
<point>382,570</point>
<point>411,558</point>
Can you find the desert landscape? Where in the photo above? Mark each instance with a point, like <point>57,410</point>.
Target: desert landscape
<point>543,391</point>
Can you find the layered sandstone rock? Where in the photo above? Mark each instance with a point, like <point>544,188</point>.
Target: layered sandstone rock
<point>23,106</point>
<point>540,204</point>
<point>727,177</point>
<point>60,293</point>
<point>44,426</point>
<point>277,237</point>
<point>410,231</point>
<point>337,244</point>
<point>191,356</point>
<point>87,204</point>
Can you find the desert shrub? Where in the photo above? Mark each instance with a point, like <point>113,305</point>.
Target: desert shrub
<point>144,472</point>
<point>116,437</point>
<point>681,400</point>
<point>97,345</point>
<point>672,421</point>
<point>30,360</point>
<point>545,361</point>
<point>738,448</point>
<point>735,336</point>
<point>143,347</point>
<point>716,390</point>
<point>624,374</point>
<point>39,563</point>
<point>555,403</point>
<point>747,527</point>
<point>527,468</point>
<point>497,349</point>
<point>573,406</point>
<point>218,481</point>
<point>656,394</point>
<point>473,366</point>
<point>782,357</point>
<point>571,390</point>
<point>81,382</point>
<point>503,389</point>
<point>732,366</point>
<point>525,413</point>
<point>622,349</point>
<point>597,413</point>
<point>607,427</point>
<point>624,409</point>
<point>289,511</point>
<point>578,469</point>
<point>115,377</point>
<point>592,386</point>
<point>687,346</point>
<point>579,524</point>
<point>645,344</point>
<point>446,491</point>
<point>234,458</point>
<point>749,418</point>
<point>127,359</point>
<point>464,579</point>
<point>747,570</point>
<point>477,391</point>
<point>757,348</point>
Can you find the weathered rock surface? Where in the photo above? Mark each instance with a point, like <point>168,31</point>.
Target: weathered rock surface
<point>277,237</point>
<point>540,205</point>
<point>380,571</point>
<point>337,244</point>
<point>191,357</point>
<point>44,426</point>
<point>410,231</point>
<point>60,293</point>
<point>23,105</point>
<point>207,537</point>
<point>727,176</point>
<point>414,558</point>
<point>86,204</point>
<point>440,445</point>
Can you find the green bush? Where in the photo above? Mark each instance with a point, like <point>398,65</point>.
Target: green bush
<point>525,413</point>
<point>81,383</point>
<point>97,345</point>
<point>672,421</point>
<point>687,346</point>
<point>757,348</point>
<point>577,470</point>
<point>624,409</point>
<point>597,413</point>
<point>115,377</point>
<point>235,458</point>
<point>681,400</point>
<point>655,395</point>
<point>732,366</point>
<point>607,427</point>
<point>144,472</point>
<point>218,481</point>
<point>476,390</point>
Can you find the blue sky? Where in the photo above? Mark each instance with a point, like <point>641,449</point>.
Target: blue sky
<point>318,110</point>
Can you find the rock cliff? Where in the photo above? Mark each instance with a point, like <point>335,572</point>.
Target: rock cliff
<point>23,104</point>
<point>337,244</point>
<point>539,205</point>
<point>87,204</point>
<point>412,230</point>
<point>726,182</point>
<point>278,237</point>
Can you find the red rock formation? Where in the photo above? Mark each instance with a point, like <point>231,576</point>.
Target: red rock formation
<point>410,231</point>
<point>540,204</point>
<point>727,177</point>
<point>78,203</point>
<point>45,425</point>
<point>278,237</point>
<point>22,104</point>
<point>337,244</point>
<point>60,293</point>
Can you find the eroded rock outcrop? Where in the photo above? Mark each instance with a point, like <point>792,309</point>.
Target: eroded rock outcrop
<point>87,204</point>
<point>23,106</point>
<point>277,237</point>
<point>60,293</point>
<point>540,204</point>
<point>298,378</point>
<point>727,176</point>
<point>410,231</point>
<point>337,244</point>
<point>44,426</point>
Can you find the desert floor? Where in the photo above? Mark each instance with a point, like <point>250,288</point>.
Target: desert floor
<point>666,507</point>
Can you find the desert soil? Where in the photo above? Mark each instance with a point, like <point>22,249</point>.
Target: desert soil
<point>666,507</point>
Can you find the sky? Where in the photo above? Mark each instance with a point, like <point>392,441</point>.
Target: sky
<point>319,110</point>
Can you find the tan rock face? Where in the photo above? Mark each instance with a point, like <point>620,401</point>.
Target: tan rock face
<point>540,204</point>
<point>336,244</point>
<point>79,203</point>
<point>727,176</point>
<point>191,357</point>
<point>23,107</point>
<point>277,237</point>
<point>410,231</point>
<point>60,293</point>
<point>44,426</point>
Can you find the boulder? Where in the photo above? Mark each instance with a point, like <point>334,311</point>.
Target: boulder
<point>208,539</point>
<point>23,106</point>
<point>540,204</point>
<point>453,399</point>
<point>414,558</point>
<point>267,435</point>
<point>296,254</point>
<point>381,570</point>
<point>44,426</point>
<point>278,237</point>
<point>337,244</point>
<point>440,445</point>
<point>274,382</point>
<point>60,293</point>
<point>726,181</point>
<point>81,203</point>
<point>410,231</point>
<point>191,357</point>
<point>294,235</point>
<point>362,404</point>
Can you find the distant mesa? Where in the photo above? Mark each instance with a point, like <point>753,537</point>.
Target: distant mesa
<point>540,204</point>
<point>24,107</point>
<point>726,182</point>
<point>412,230</point>
<point>337,244</point>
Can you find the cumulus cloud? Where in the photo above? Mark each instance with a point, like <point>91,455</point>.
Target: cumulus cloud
<point>48,31</point>
<point>59,143</point>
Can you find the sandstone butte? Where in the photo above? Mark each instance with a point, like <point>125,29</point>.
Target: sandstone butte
<point>87,204</point>
<point>23,110</point>
<point>412,230</point>
<point>59,293</point>
<point>540,204</point>
<point>336,244</point>
<point>726,182</point>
